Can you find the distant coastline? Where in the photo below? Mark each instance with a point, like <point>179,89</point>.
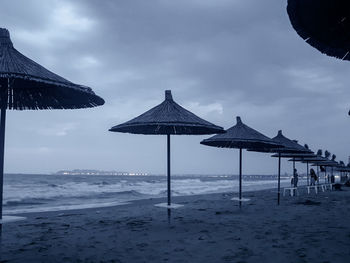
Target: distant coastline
<point>96,172</point>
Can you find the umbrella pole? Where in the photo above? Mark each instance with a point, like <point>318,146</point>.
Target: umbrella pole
<point>293,164</point>
<point>307,173</point>
<point>279,179</point>
<point>2,150</point>
<point>240,177</point>
<point>168,168</point>
<point>331,172</point>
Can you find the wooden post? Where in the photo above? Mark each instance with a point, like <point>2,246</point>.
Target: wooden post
<point>293,165</point>
<point>279,179</point>
<point>168,169</point>
<point>240,177</point>
<point>307,173</point>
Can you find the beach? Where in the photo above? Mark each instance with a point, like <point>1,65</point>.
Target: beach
<point>208,228</point>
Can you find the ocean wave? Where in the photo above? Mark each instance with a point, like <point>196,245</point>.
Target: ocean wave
<point>64,207</point>
<point>56,191</point>
<point>184,186</point>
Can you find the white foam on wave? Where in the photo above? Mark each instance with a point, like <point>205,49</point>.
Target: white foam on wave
<point>62,207</point>
<point>53,194</point>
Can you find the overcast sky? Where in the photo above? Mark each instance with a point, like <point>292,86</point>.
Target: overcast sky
<point>220,58</point>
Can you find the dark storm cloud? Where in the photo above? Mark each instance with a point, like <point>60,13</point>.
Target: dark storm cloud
<point>221,59</point>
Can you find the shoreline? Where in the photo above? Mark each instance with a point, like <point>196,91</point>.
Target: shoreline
<point>117,203</point>
<point>128,202</point>
<point>307,228</point>
<point>150,201</point>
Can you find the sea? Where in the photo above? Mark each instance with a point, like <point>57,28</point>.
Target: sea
<point>25,193</point>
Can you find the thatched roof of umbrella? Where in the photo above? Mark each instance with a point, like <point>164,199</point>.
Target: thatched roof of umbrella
<point>290,147</point>
<point>325,162</point>
<point>32,87</point>
<point>168,118</point>
<point>343,169</point>
<point>312,159</point>
<point>241,136</point>
<point>324,24</point>
<point>297,156</point>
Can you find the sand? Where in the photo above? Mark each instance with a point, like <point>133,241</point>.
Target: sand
<point>209,228</point>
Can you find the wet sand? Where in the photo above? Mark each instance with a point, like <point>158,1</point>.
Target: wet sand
<point>209,228</point>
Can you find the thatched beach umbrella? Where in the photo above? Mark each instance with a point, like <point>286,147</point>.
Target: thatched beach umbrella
<point>290,148</point>
<point>299,157</point>
<point>344,170</point>
<point>168,118</point>
<point>241,136</point>
<point>25,85</point>
<point>324,162</point>
<point>324,24</point>
<point>315,159</point>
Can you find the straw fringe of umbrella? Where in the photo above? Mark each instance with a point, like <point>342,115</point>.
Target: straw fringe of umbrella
<point>29,86</point>
<point>324,24</point>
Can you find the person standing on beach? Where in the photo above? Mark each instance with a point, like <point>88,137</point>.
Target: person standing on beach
<point>312,176</point>
<point>332,179</point>
<point>295,178</point>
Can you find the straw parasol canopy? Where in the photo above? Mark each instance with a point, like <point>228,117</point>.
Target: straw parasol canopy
<point>290,148</point>
<point>25,85</point>
<point>241,136</point>
<point>29,86</point>
<point>324,162</point>
<point>166,119</point>
<point>315,160</point>
<point>324,24</point>
<point>343,169</point>
<point>298,156</point>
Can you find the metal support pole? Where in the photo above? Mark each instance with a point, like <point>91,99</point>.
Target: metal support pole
<point>293,165</point>
<point>307,173</point>
<point>331,172</point>
<point>240,177</point>
<point>168,169</point>
<point>279,179</point>
<point>318,174</point>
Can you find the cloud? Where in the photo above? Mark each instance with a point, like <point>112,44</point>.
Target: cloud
<point>314,80</point>
<point>203,110</point>
<point>35,151</point>
<point>61,129</point>
<point>63,23</point>
<point>220,59</point>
